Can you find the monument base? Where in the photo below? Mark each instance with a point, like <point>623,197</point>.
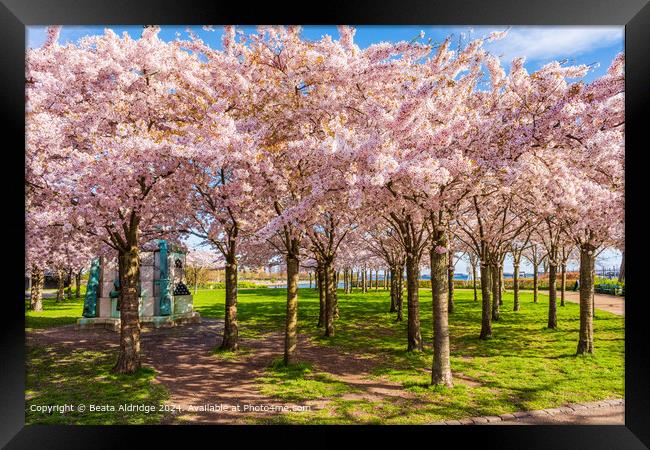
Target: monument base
<point>113,323</point>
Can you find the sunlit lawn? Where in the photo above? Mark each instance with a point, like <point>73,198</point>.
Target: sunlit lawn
<point>524,366</point>
<point>56,377</point>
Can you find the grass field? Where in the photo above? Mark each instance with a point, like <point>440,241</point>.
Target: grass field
<point>524,366</point>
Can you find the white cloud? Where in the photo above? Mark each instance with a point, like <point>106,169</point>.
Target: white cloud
<point>537,43</point>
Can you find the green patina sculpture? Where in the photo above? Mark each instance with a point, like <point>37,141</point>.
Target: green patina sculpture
<point>90,302</point>
<point>163,281</point>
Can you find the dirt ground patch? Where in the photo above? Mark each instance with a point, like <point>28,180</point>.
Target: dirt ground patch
<point>209,389</point>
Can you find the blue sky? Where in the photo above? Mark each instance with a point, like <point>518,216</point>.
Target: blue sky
<point>539,44</point>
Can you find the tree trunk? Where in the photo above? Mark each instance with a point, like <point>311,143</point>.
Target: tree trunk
<point>535,282</point>
<point>399,283</point>
<point>60,285</point>
<point>412,286</point>
<point>496,292</point>
<point>329,299</point>
<point>128,360</point>
<point>552,295</point>
<point>586,336</point>
<point>309,280</point>
<point>515,284</point>
<point>474,282</point>
<point>501,284</point>
<point>441,369</point>
<point>562,282</point>
<point>69,290</point>
<point>450,284</point>
<point>593,295</point>
<point>336,294</point>
<point>321,295</point>
<point>393,291</point>
<point>230,328</point>
<point>36,300</point>
<point>77,280</point>
<point>621,272</point>
<point>486,304</point>
<point>291,331</point>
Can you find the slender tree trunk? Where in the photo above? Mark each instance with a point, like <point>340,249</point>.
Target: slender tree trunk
<point>393,298</point>
<point>291,330</point>
<point>400,292</point>
<point>336,294</point>
<point>621,272</point>
<point>501,284</point>
<point>60,285</point>
<point>230,329</point>
<point>486,304</point>
<point>36,300</point>
<point>77,280</point>
<point>329,299</point>
<point>309,280</point>
<point>412,287</point>
<point>535,282</point>
<point>515,284</point>
<point>450,284</point>
<point>586,336</point>
<point>128,360</point>
<point>441,369</point>
<point>496,292</point>
<point>474,282</point>
<point>385,280</point>
<point>69,290</point>
<point>562,282</point>
<point>593,295</point>
<point>552,295</point>
<point>321,295</point>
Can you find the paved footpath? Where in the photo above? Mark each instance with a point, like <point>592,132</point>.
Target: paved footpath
<point>605,412</point>
<point>612,303</point>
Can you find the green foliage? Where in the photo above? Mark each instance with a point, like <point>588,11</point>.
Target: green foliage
<point>608,281</point>
<point>60,376</point>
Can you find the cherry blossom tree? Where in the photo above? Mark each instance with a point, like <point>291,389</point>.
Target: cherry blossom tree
<point>118,106</point>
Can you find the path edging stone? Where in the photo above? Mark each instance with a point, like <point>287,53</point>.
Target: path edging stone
<point>571,408</point>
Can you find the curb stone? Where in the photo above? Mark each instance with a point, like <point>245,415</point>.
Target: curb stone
<point>567,409</point>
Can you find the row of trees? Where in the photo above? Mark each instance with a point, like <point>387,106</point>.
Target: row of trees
<point>284,150</point>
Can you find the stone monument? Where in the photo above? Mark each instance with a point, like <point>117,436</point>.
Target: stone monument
<point>164,298</point>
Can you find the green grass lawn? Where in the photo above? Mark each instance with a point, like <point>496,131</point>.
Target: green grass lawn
<point>524,366</point>
<point>58,377</point>
<point>54,313</point>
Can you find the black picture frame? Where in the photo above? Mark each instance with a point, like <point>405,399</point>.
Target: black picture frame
<point>633,14</point>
